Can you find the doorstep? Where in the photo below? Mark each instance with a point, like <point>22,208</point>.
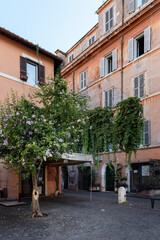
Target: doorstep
<point>12,203</point>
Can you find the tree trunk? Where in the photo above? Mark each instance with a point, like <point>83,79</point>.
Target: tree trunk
<point>57,178</point>
<point>35,199</point>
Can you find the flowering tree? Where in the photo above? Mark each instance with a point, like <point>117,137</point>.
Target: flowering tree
<point>29,134</point>
<point>66,109</point>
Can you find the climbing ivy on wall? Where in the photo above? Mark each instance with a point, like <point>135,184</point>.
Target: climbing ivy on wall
<point>128,126</point>
<point>98,130</point>
<point>121,126</point>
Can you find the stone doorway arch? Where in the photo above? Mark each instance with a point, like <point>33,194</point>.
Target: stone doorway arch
<point>103,176</point>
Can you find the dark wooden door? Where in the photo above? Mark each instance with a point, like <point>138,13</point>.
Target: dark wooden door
<point>110,178</point>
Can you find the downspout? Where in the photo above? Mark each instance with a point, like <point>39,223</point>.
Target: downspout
<point>122,12</point>
<point>73,83</point>
<point>122,52</point>
<point>121,68</point>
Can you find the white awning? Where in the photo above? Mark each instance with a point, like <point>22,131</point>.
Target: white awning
<point>72,159</point>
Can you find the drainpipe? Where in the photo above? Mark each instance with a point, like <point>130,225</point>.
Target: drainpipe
<point>122,12</point>
<point>121,68</point>
<point>122,53</point>
<point>73,83</point>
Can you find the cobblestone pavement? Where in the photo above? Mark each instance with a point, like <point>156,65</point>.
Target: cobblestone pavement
<point>72,216</point>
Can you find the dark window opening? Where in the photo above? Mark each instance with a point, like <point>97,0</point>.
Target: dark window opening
<point>140,46</point>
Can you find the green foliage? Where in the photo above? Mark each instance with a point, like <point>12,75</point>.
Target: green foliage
<point>66,108</point>
<point>98,130</point>
<point>61,124</point>
<point>29,134</point>
<point>121,126</point>
<point>128,126</point>
<point>25,135</point>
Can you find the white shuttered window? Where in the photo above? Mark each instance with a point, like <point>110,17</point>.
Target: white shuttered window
<point>140,44</point>
<point>71,57</point>
<point>83,79</point>
<point>91,40</point>
<point>109,19</point>
<point>134,4</point>
<point>139,86</point>
<point>109,63</point>
<point>146,133</point>
<point>108,98</point>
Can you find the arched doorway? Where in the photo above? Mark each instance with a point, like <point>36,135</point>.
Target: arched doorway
<point>110,178</point>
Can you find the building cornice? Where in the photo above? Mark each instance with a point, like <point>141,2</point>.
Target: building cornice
<point>81,39</point>
<point>113,35</point>
<point>103,6</point>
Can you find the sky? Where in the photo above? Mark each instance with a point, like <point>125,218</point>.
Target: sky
<point>53,24</point>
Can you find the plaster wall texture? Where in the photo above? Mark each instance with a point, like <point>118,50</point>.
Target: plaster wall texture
<point>10,65</point>
<point>10,79</point>
<point>147,64</point>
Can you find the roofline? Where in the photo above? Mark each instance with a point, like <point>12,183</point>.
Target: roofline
<point>58,50</point>
<point>81,39</point>
<point>102,6</point>
<point>98,44</point>
<point>28,44</point>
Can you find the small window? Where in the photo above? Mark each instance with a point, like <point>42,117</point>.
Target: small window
<point>108,98</point>
<point>71,57</point>
<point>134,4</point>
<point>109,19</point>
<point>139,86</point>
<point>108,65</point>
<point>139,45</point>
<point>83,79</point>
<point>138,3</point>
<point>92,40</point>
<point>32,73</point>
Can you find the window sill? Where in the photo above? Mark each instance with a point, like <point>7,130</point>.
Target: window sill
<point>142,56</point>
<point>17,80</point>
<point>82,89</point>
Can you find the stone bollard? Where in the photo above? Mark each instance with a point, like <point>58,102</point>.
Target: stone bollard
<point>121,195</point>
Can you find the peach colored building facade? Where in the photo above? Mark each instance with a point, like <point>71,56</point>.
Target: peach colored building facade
<point>18,60</point>
<point>118,58</point>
